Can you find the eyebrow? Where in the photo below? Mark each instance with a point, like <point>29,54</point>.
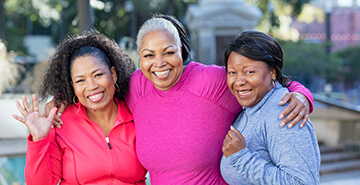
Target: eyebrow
<point>163,49</point>
<point>92,72</point>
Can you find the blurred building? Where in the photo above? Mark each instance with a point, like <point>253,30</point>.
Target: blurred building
<point>341,25</point>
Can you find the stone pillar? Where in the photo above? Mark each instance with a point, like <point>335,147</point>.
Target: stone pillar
<point>212,23</point>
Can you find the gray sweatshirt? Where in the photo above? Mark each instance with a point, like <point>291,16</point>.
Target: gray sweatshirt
<point>273,155</point>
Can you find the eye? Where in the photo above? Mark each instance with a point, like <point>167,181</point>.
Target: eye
<point>231,72</point>
<point>79,81</point>
<point>148,55</point>
<point>169,53</point>
<point>249,72</point>
<point>98,74</point>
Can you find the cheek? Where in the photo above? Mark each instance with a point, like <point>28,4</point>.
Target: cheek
<point>144,65</point>
<point>77,90</point>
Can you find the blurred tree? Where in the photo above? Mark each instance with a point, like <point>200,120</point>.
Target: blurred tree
<point>350,65</point>
<point>2,20</point>
<point>307,62</point>
<point>276,10</point>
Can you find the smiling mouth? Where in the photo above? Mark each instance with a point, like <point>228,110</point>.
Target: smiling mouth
<point>162,74</point>
<point>96,97</point>
<point>245,92</point>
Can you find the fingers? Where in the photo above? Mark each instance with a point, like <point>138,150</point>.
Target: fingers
<point>52,114</point>
<point>20,108</point>
<point>26,104</point>
<point>285,99</point>
<point>289,112</point>
<point>61,110</point>
<point>35,103</point>
<point>238,133</point>
<point>289,108</point>
<point>57,122</point>
<point>48,107</point>
<point>233,135</point>
<point>22,120</point>
<point>305,119</point>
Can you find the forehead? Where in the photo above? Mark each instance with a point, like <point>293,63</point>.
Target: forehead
<point>236,59</point>
<point>157,37</point>
<point>85,64</point>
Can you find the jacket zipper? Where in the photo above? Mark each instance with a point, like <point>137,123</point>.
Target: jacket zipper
<point>108,142</point>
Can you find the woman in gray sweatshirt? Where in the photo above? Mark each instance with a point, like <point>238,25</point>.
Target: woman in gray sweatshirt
<point>256,149</point>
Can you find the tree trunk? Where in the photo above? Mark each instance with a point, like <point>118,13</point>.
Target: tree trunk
<point>2,20</point>
<point>85,15</point>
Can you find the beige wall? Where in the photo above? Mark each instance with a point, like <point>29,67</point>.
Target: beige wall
<point>336,126</point>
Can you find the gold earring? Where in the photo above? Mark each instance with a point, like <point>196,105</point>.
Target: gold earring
<point>117,88</point>
<point>74,100</point>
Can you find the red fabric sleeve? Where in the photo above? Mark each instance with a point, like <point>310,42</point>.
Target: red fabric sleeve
<point>43,161</point>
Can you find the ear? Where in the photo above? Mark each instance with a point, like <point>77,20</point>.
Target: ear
<point>113,74</point>
<point>273,73</point>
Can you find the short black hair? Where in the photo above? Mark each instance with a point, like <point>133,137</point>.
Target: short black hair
<point>257,45</point>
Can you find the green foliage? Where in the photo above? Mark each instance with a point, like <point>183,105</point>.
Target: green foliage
<point>350,62</point>
<point>308,61</point>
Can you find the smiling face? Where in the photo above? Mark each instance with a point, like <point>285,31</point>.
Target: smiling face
<point>248,80</point>
<point>161,60</point>
<point>93,82</point>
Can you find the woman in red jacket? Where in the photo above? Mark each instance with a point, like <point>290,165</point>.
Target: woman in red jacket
<point>97,145</point>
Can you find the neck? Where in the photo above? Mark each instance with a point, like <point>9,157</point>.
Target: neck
<point>105,115</point>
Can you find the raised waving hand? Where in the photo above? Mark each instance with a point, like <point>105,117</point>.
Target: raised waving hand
<point>39,126</point>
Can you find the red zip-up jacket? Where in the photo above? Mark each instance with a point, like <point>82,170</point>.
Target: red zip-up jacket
<point>80,152</point>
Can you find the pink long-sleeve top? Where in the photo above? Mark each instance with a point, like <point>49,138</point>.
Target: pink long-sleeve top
<point>180,131</point>
<point>78,153</point>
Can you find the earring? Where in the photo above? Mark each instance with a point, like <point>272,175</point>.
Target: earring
<point>74,100</point>
<point>117,88</point>
<point>273,82</point>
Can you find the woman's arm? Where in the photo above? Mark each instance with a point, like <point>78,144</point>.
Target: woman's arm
<point>43,156</point>
<point>43,161</point>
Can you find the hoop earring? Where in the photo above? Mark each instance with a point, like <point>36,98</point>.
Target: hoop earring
<point>117,88</point>
<point>74,100</point>
<point>273,82</point>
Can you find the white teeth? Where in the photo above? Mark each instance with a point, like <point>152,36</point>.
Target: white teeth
<point>243,93</point>
<point>162,73</point>
<point>96,96</point>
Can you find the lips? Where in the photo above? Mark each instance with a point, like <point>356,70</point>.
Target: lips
<point>244,93</point>
<point>162,74</point>
<point>95,97</point>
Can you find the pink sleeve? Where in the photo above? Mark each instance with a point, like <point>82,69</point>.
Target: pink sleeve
<point>298,87</point>
<point>135,89</point>
<point>43,161</point>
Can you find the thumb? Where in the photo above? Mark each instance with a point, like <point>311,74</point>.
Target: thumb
<point>52,114</point>
<point>238,133</point>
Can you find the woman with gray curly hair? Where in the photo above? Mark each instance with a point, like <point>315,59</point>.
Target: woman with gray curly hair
<point>97,144</point>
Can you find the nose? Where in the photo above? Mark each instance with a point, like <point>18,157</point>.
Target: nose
<point>159,61</point>
<point>240,80</point>
<point>91,84</point>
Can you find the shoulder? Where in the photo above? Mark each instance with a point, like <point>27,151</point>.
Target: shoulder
<point>199,68</point>
<point>271,109</point>
<point>205,75</point>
